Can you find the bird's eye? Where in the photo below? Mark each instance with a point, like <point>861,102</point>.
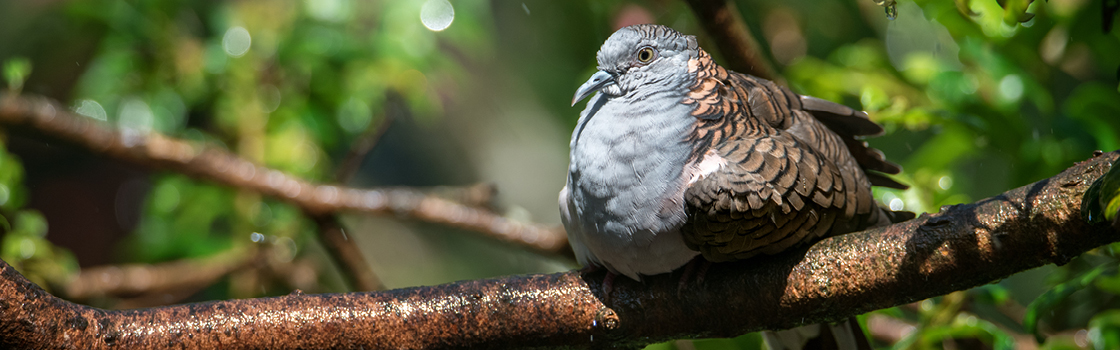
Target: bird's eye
<point>646,55</point>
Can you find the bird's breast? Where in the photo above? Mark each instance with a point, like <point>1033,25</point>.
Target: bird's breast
<point>629,167</point>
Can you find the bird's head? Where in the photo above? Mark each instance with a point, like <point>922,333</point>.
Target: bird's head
<point>638,56</point>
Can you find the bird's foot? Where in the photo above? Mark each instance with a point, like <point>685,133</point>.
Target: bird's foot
<point>608,280</point>
<point>608,286</point>
<point>697,267</point>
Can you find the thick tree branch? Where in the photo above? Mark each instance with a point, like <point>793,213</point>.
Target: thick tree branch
<point>153,149</point>
<point>961,247</point>
<point>722,22</point>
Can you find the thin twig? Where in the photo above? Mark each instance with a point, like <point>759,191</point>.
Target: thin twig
<point>161,298</point>
<point>344,251</point>
<point>722,22</point>
<point>961,247</point>
<point>130,280</point>
<point>372,135</point>
<point>480,195</point>
<point>147,285</point>
<point>156,150</point>
<point>346,254</point>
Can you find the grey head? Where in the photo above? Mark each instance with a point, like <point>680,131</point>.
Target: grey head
<point>637,56</point>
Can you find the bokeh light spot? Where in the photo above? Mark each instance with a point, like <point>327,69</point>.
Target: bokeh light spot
<point>912,34</point>
<point>1011,87</point>
<point>236,42</point>
<point>328,10</point>
<point>437,14</point>
<point>26,248</point>
<point>135,115</point>
<point>896,204</point>
<point>354,116</point>
<point>945,182</point>
<point>135,120</point>
<point>269,98</point>
<point>969,84</point>
<point>165,197</point>
<point>92,109</point>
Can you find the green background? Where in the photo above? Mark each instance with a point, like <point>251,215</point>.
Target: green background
<point>977,97</point>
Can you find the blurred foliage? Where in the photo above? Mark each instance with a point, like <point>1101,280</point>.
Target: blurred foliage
<point>1102,199</point>
<point>977,96</point>
<point>16,71</point>
<point>24,244</point>
<point>1047,301</point>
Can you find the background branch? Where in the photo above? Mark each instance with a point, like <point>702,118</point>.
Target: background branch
<point>153,149</point>
<point>147,285</point>
<point>332,234</point>
<point>137,279</point>
<point>961,247</point>
<point>740,50</point>
<point>369,138</point>
<point>346,254</point>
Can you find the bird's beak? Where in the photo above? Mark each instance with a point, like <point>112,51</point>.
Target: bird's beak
<point>598,80</point>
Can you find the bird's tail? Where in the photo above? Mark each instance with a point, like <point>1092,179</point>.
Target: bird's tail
<point>843,335</point>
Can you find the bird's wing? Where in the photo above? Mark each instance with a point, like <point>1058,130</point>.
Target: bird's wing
<point>772,192</point>
<point>851,125</point>
<point>786,177</point>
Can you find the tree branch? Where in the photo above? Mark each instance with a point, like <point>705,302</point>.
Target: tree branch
<point>722,22</point>
<point>372,135</point>
<point>146,285</point>
<point>156,150</point>
<point>136,279</point>
<point>961,247</point>
<point>345,253</point>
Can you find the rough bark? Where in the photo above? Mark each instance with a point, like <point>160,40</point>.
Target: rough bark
<point>961,247</point>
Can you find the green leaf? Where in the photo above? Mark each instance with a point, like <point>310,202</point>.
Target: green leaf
<point>30,223</point>
<point>963,326</point>
<point>1015,11</point>
<point>1047,301</point>
<point>16,71</point>
<point>1101,202</point>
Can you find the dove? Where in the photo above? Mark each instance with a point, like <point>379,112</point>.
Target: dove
<point>675,158</point>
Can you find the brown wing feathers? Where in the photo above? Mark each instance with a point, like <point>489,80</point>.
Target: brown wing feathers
<point>850,124</point>
<point>795,170</point>
<point>773,194</point>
